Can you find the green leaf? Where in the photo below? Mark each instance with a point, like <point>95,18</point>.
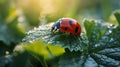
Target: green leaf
<point>111,52</point>
<point>89,27</point>
<point>10,35</point>
<point>4,9</point>
<point>101,46</point>
<point>90,62</point>
<point>17,62</point>
<point>40,48</point>
<point>30,54</point>
<point>5,60</point>
<point>104,48</point>
<point>109,40</point>
<point>117,15</point>
<point>95,30</point>
<point>105,61</point>
<point>76,59</point>
<point>71,42</point>
<point>72,59</point>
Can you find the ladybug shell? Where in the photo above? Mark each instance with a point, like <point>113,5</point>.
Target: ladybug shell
<point>70,25</point>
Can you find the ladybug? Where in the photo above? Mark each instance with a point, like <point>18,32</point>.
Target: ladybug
<point>68,25</point>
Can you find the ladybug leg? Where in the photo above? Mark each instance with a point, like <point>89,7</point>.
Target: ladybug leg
<point>54,29</point>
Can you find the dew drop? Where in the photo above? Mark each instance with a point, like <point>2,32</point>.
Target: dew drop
<point>110,31</point>
<point>29,32</point>
<point>49,42</point>
<point>111,40</point>
<point>96,45</point>
<point>31,41</point>
<point>35,28</point>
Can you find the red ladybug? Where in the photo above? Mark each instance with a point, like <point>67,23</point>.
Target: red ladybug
<point>68,25</point>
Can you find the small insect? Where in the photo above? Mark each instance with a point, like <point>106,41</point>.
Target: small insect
<point>68,25</point>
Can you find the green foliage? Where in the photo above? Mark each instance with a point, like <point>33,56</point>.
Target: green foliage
<point>22,63</point>
<point>117,15</point>
<point>43,32</point>
<point>8,35</point>
<point>89,27</point>
<point>4,9</point>
<point>97,32</point>
<point>72,59</point>
<point>98,47</point>
<point>48,51</point>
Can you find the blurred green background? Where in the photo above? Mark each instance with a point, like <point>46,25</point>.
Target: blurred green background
<point>19,16</point>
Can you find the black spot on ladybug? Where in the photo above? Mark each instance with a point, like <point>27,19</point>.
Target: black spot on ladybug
<point>76,29</point>
<point>70,22</point>
<point>65,28</point>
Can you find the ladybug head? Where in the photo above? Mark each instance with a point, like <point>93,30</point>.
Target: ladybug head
<point>56,25</point>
